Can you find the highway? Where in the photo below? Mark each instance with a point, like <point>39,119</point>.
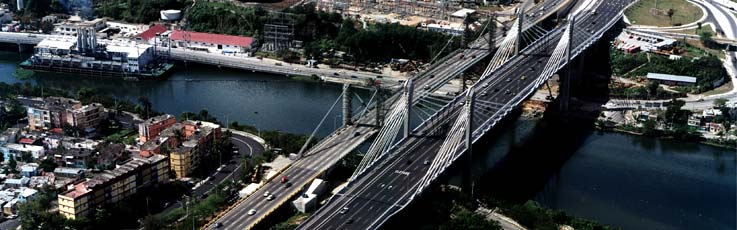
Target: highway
<point>377,195</point>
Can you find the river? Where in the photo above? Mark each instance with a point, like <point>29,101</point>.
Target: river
<point>627,181</point>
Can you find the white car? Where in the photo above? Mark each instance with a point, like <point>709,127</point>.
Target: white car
<point>266,194</point>
<point>270,197</point>
<point>251,212</point>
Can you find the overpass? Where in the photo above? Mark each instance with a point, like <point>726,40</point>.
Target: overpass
<point>334,147</point>
<point>410,166</point>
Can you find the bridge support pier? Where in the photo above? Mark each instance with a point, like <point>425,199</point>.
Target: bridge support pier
<point>408,91</point>
<point>347,105</point>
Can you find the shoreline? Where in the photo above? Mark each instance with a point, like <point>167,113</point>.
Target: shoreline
<point>634,133</point>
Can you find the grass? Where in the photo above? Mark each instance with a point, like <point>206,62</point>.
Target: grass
<point>645,13</point>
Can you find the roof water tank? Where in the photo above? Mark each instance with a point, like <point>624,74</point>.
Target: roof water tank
<point>171,15</point>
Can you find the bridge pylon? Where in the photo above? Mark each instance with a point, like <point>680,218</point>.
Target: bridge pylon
<point>520,24</point>
<point>408,91</point>
<point>565,81</point>
<point>347,104</point>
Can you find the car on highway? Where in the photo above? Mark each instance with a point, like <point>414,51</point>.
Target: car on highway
<point>379,76</point>
<point>426,162</point>
<point>485,85</point>
<point>344,210</point>
<point>432,75</point>
<point>284,179</point>
<point>219,225</point>
<point>356,134</point>
<point>270,197</point>
<point>507,92</point>
<point>427,87</point>
<point>353,76</point>
<point>523,77</point>
<point>288,184</point>
<point>509,79</point>
<point>267,194</point>
<point>251,212</point>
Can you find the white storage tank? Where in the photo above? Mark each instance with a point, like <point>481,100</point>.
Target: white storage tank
<point>171,15</point>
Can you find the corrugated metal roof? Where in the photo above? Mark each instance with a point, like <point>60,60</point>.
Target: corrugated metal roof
<point>669,77</point>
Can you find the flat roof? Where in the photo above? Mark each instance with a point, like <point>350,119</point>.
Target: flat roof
<point>56,44</point>
<point>462,13</point>
<point>669,77</point>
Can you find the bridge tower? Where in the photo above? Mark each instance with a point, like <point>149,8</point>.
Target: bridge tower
<point>565,81</point>
<point>379,119</point>
<point>468,174</point>
<point>347,104</point>
<point>520,23</point>
<point>408,91</point>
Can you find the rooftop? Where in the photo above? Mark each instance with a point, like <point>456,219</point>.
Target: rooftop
<point>152,31</point>
<point>669,77</point>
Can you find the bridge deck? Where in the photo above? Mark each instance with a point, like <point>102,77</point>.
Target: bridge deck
<point>386,189</point>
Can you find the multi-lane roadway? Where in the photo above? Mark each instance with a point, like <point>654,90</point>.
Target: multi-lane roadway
<point>373,198</point>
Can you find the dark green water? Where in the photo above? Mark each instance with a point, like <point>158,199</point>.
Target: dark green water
<point>627,181</point>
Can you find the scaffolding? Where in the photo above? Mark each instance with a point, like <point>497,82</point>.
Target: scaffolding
<point>278,32</point>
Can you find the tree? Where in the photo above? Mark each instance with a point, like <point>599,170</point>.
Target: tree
<point>12,163</point>
<point>673,112</point>
<point>465,219</point>
<point>720,102</point>
<point>670,13</point>
<point>146,104</point>
<point>706,38</point>
<point>652,88</point>
<point>48,165</point>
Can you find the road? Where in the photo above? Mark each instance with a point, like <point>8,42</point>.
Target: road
<point>371,199</point>
<point>247,147</point>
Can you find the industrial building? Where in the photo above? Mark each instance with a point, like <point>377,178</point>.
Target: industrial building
<point>214,43</point>
<point>669,79</point>
<point>89,56</point>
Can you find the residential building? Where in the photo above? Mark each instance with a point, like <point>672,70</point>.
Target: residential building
<point>112,186</point>
<point>50,112</point>
<point>29,170</point>
<point>153,126</point>
<point>198,139</point>
<point>10,135</point>
<point>17,151</point>
<point>17,183</point>
<point>87,117</point>
<point>215,43</point>
<point>74,173</point>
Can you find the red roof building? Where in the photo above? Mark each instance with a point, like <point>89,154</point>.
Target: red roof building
<point>151,32</point>
<point>215,41</point>
<point>27,141</point>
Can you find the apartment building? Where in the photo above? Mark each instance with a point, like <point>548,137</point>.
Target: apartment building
<point>54,112</point>
<point>185,143</point>
<point>113,186</point>
<point>153,126</point>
